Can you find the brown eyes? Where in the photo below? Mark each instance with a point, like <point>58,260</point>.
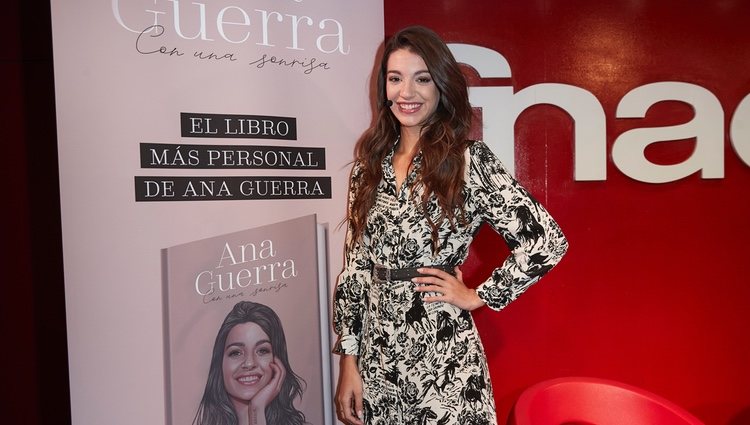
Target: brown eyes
<point>420,80</point>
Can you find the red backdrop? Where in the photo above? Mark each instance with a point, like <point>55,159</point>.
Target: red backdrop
<point>653,291</point>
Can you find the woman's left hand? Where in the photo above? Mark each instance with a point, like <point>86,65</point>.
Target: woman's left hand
<point>267,394</point>
<point>448,288</point>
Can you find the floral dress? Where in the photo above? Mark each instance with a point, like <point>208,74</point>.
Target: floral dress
<point>423,363</point>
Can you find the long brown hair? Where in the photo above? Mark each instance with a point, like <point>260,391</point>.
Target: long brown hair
<point>442,140</point>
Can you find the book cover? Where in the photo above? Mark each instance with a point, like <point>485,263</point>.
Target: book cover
<point>246,326</point>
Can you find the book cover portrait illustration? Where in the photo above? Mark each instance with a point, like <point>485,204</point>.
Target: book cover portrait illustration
<point>245,314</point>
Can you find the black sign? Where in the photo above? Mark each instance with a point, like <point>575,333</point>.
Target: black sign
<point>230,188</point>
<point>163,155</point>
<point>238,126</point>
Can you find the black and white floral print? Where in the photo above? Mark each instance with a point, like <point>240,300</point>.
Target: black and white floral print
<point>423,363</point>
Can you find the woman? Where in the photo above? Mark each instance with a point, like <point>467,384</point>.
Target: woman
<point>250,380</point>
<point>419,192</point>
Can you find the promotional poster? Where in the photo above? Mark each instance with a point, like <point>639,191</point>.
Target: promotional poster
<point>181,121</point>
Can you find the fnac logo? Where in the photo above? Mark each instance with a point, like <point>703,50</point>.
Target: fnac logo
<point>501,107</point>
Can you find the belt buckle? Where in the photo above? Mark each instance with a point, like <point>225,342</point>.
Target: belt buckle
<point>383,272</point>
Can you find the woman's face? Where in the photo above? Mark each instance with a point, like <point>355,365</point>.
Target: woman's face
<point>411,88</point>
<point>246,366</point>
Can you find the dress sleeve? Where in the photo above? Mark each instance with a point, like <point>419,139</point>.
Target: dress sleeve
<point>535,240</point>
<point>353,284</point>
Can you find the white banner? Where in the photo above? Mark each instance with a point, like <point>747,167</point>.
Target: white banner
<point>180,121</point>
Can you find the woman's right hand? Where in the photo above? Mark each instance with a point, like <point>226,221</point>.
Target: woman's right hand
<point>349,407</point>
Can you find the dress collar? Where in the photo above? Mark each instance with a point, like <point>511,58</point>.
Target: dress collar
<point>389,173</point>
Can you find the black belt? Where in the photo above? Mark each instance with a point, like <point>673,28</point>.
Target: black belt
<point>384,273</point>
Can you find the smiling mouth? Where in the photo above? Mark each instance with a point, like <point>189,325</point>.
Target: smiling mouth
<point>409,107</point>
<point>249,380</point>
